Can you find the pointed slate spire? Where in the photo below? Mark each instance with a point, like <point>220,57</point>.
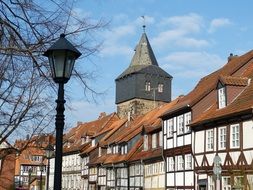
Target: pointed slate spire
<point>143,54</point>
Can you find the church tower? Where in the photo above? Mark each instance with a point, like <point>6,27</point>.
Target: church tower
<point>143,85</point>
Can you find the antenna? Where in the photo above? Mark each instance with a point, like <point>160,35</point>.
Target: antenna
<point>144,24</point>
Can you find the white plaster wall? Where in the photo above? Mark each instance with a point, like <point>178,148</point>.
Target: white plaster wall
<point>199,141</point>
<point>189,178</point>
<point>170,179</point>
<point>210,158</point>
<point>179,178</point>
<point>169,143</point>
<point>180,141</point>
<point>187,139</point>
<point>247,134</point>
<point>235,156</point>
<point>199,159</point>
<point>248,156</point>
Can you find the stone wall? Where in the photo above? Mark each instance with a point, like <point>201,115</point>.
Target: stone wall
<point>136,107</point>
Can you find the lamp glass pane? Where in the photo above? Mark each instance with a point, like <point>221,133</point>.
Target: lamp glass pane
<point>69,64</point>
<point>58,60</point>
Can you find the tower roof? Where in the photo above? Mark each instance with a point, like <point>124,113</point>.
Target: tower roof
<point>144,58</point>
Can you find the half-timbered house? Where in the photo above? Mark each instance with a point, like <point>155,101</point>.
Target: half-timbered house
<point>225,129</point>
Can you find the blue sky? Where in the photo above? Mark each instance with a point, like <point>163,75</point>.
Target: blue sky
<point>190,39</point>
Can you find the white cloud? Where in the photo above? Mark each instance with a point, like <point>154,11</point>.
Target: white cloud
<point>189,23</point>
<point>181,29</point>
<point>218,23</point>
<point>191,64</point>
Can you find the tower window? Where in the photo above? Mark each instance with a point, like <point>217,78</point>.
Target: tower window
<point>160,87</point>
<point>147,86</point>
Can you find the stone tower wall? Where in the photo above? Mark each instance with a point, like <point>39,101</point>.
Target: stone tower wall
<point>136,107</point>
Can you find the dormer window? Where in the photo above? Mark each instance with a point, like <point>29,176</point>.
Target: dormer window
<point>145,143</point>
<point>124,149</point>
<point>99,151</point>
<point>154,140</point>
<point>160,88</point>
<point>109,150</point>
<point>222,97</point>
<point>147,86</point>
<point>93,142</point>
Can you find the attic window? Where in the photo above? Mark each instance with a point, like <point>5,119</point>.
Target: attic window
<point>147,86</point>
<point>222,97</point>
<point>160,88</point>
<point>93,142</point>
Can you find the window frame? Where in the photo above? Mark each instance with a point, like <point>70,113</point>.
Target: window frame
<point>222,99</point>
<point>210,140</point>
<point>222,138</point>
<point>235,143</point>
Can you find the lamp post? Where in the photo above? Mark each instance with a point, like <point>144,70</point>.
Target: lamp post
<point>62,55</point>
<point>49,153</point>
<point>41,170</point>
<point>29,177</point>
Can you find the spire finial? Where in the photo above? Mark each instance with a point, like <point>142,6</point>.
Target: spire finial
<point>143,26</point>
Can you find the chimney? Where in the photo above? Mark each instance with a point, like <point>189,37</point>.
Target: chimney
<point>102,114</point>
<point>231,56</point>
<point>79,123</point>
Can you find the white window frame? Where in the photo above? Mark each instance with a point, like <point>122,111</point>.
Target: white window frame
<point>147,86</point>
<point>180,124</point>
<point>226,183</point>
<point>154,140</point>
<point>99,151</point>
<point>160,87</point>
<point>210,140</point>
<point>222,138</point>
<point>145,144</point>
<point>211,183</point>
<point>187,121</point>
<point>235,135</point>
<point>180,162</point>
<point>188,161</point>
<point>222,97</point>
<point>170,128</point>
<point>160,134</point>
<point>171,164</point>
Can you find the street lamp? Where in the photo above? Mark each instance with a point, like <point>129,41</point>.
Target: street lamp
<point>29,177</point>
<point>49,153</point>
<point>62,55</point>
<point>41,170</point>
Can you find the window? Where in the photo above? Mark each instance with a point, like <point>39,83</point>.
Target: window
<point>222,97</point>
<point>188,161</point>
<point>170,128</point>
<point>145,145</point>
<point>171,164</point>
<point>226,183</point>
<point>238,182</point>
<point>187,121</point>
<point>154,140</point>
<point>124,149</point>
<point>147,86</point>
<point>93,142</point>
<point>160,138</point>
<point>109,150</point>
<point>115,149</point>
<point>99,152</point>
<point>222,137</point>
<point>160,87</point>
<point>180,163</point>
<point>235,136</point>
<point>210,183</point>
<point>209,145</point>
<point>180,124</point>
